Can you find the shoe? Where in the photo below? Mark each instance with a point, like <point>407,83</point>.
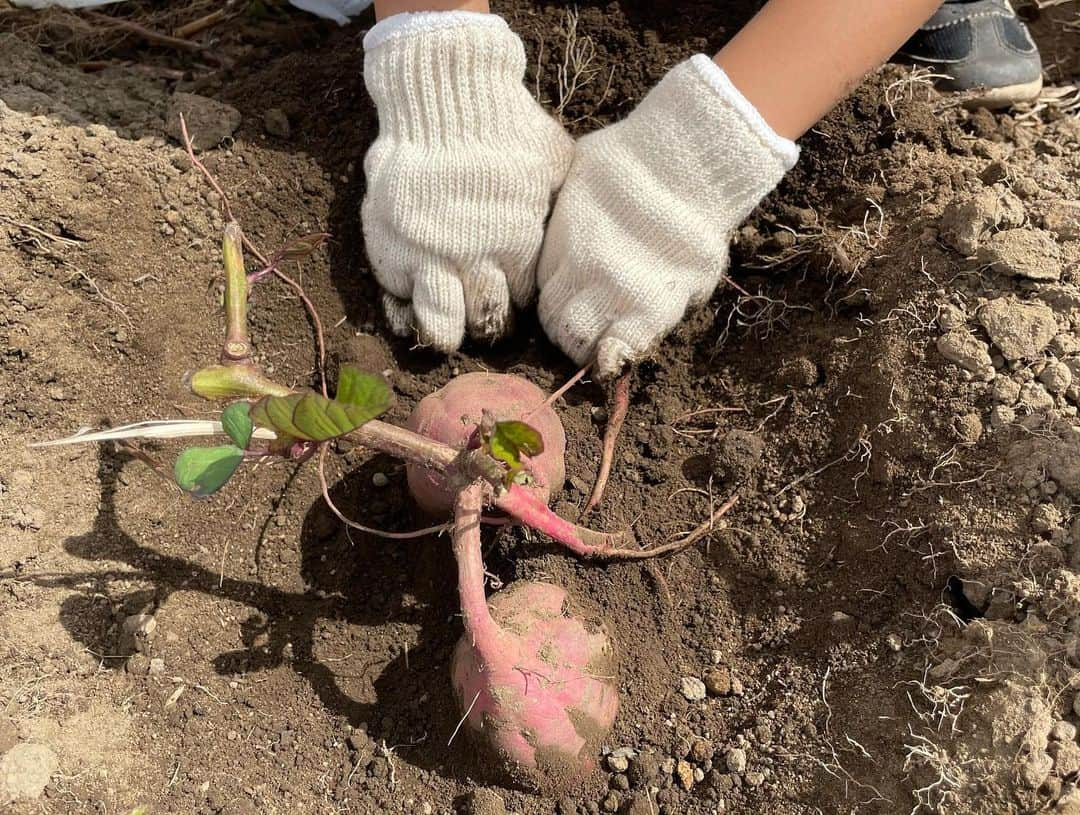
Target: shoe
<point>983,47</point>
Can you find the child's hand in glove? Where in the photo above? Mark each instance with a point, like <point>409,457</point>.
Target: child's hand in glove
<point>461,177</point>
<point>641,228</point>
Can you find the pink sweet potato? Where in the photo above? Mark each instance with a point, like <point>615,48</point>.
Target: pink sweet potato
<point>451,415</point>
<point>534,681</point>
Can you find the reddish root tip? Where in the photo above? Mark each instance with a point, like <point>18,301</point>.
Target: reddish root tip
<point>620,404</point>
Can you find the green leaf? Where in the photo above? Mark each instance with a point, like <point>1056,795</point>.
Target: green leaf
<point>510,441</point>
<point>203,470</point>
<point>358,388</point>
<point>237,423</point>
<point>309,416</point>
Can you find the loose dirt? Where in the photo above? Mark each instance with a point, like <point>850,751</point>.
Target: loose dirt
<point>890,383</point>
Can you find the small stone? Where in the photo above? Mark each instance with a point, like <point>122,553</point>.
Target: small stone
<point>157,666</point>
<point>566,806</point>
<point>137,665</point>
<point>718,681</point>
<point>138,629</point>
<point>692,689</point>
<point>1065,345</point>
<point>1029,253</point>
<point>1000,416</point>
<point>1076,704</point>
<point>1056,376</point>
<point>1019,330</point>
<point>277,123</point>
<point>1025,187</point>
<point>25,771</point>
<point>966,350</point>
<point>618,763</point>
<point>379,479</point>
<point>735,760</point>
<point>684,773</point>
<point>754,779</point>
<point>1005,390</point>
<point>963,223</point>
<point>894,643</point>
<point>737,688</point>
<point>701,751</point>
<point>610,803</point>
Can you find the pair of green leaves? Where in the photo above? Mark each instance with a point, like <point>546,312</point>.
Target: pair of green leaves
<point>303,416</point>
<point>203,470</point>
<point>509,441</point>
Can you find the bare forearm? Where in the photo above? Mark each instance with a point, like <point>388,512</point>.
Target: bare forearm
<point>797,58</point>
<point>387,8</point>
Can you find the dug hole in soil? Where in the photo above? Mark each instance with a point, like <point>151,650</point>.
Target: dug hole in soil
<point>889,622</point>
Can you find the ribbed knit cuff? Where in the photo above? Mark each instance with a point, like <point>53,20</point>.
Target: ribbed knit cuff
<point>714,145</point>
<point>410,23</point>
<point>446,77</point>
<point>785,149</point>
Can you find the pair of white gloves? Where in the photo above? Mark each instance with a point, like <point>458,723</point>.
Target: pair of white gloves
<point>466,166</point>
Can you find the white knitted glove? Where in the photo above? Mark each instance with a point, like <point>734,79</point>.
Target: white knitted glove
<point>461,176</point>
<point>641,228</point>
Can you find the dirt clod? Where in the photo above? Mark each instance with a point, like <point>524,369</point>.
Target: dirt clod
<point>276,123</point>
<point>1027,253</point>
<point>25,771</point>
<point>484,801</point>
<point>966,350</point>
<point>737,456</point>
<point>209,122</point>
<point>1019,330</point>
<point>1063,219</point>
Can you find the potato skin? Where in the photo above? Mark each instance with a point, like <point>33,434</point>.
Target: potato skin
<point>451,415</point>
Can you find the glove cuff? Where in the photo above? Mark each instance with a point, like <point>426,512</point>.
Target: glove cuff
<point>446,77</point>
<point>785,150</point>
<point>710,141</point>
<point>414,23</point>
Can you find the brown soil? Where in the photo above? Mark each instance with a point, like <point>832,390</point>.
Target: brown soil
<point>899,478</point>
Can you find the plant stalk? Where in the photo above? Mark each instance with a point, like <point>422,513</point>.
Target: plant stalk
<point>237,348</point>
<point>481,629</point>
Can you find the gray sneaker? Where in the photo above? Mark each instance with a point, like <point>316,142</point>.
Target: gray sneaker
<point>982,46</point>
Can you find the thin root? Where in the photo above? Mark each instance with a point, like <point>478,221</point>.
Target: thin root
<point>551,399</point>
<point>416,533</point>
<point>620,404</point>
